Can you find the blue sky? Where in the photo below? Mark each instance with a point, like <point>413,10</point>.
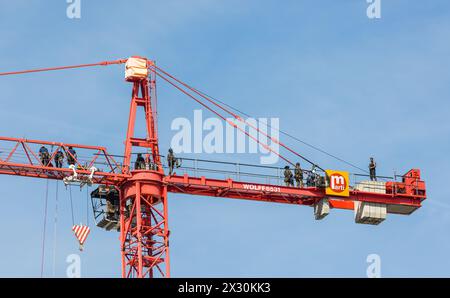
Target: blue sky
<point>353,86</point>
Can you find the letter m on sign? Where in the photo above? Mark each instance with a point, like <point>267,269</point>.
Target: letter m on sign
<point>338,183</point>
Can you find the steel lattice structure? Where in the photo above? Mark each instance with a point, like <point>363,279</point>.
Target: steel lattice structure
<point>144,230</point>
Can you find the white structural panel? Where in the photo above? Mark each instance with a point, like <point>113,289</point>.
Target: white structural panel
<point>370,213</point>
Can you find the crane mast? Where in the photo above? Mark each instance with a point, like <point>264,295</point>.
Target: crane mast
<point>144,232</point>
<point>142,193</point>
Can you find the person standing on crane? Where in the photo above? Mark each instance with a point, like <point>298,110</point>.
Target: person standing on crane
<point>171,161</point>
<point>59,158</point>
<point>372,170</point>
<point>71,156</point>
<point>298,175</point>
<point>140,162</point>
<point>112,206</point>
<point>152,163</point>
<point>288,177</point>
<point>44,156</point>
<point>312,177</point>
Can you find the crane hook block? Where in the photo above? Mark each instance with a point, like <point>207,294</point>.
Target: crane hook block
<point>136,69</point>
<point>81,232</point>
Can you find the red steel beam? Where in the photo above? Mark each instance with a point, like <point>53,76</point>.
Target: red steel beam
<point>31,166</point>
<point>229,188</point>
<point>24,170</point>
<point>201,186</point>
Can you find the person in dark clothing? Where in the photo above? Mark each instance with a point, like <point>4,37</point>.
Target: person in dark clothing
<point>288,177</point>
<point>298,175</point>
<point>312,176</point>
<point>140,162</point>
<point>71,156</point>
<point>44,156</point>
<point>59,158</point>
<point>372,170</point>
<point>171,161</point>
<point>112,208</point>
<point>320,181</point>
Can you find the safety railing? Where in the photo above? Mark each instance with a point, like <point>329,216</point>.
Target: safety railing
<point>261,174</point>
<point>16,153</point>
<point>273,175</point>
<point>364,182</point>
<point>394,185</point>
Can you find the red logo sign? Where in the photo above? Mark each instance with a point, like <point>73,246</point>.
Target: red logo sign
<point>338,182</point>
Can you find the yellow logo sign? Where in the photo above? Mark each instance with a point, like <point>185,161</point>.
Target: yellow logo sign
<point>338,183</point>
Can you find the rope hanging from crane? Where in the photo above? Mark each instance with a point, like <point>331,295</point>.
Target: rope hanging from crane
<point>55,224</point>
<point>87,205</point>
<point>71,204</point>
<point>80,231</point>
<point>44,229</point>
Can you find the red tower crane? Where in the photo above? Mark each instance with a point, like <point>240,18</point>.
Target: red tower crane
<point>141,194</point>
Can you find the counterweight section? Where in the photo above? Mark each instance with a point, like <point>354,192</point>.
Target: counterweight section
<point>369,212</point>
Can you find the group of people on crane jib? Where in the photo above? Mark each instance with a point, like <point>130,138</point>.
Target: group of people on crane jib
<point>142,164</point>
<point>312,178</point>
<point>172,162</point>
<point>59,157</point>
